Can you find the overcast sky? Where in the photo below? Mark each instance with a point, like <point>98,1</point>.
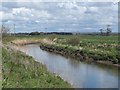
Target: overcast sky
<point>59,16</point>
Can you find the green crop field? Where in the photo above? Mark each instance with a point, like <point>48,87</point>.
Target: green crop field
<point>105,48</point>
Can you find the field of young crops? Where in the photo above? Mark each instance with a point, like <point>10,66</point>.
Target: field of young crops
<point>104,48</point>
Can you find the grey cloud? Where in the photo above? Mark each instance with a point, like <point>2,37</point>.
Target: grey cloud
<point>78,16</point>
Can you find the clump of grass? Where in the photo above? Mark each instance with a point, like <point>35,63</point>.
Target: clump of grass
<point>73,41</point>
<point>6,39</point>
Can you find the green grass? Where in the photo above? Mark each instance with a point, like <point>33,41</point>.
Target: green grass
<point>21,71</point>
<point>98,47</point>
<point>92,39</point>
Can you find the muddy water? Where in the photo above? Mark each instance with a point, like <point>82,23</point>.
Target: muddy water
<point>78,74</point>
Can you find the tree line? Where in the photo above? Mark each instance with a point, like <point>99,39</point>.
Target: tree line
<point>5,30</point>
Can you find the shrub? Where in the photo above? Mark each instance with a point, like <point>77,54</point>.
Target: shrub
<point>74,41</point>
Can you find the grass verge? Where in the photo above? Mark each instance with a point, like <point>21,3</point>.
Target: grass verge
<point>22,71</point>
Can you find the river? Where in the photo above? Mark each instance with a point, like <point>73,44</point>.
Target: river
<point>78,74</point>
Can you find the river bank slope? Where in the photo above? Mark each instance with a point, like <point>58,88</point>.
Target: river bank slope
<point>22,71</point>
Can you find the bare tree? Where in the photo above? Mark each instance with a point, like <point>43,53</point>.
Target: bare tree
<point>4,30</point>
<point>101,31</point>
<point>108,32</point>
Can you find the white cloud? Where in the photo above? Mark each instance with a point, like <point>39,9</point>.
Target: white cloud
<point>68,5</point>
<point>1,15</point>
<point>21,11</point>
<point>93,9</point>
<point>31,13</point>
<point>42,14</point>
<point>6,16</point>
<point>37,21</point>
<point>24,13</point>
<point>73,6</point>
<point>106,21</point>
<point>88,28</point>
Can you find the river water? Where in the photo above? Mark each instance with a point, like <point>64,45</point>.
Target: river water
<point>78,74</point>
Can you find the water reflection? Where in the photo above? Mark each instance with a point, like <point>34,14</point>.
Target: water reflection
<point>74,63</point>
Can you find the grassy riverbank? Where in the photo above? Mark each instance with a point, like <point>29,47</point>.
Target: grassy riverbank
<point>80,54</point>
<point>22,71</point>
<point>103,49</point>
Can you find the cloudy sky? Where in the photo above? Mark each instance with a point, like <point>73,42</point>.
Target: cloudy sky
<point>59,16</point>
